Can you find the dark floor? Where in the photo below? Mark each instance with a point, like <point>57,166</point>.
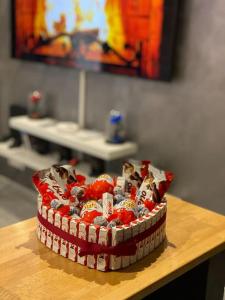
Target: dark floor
<point>17,202</point>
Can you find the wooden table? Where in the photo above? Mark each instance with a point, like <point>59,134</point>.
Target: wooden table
<point>29,270</point>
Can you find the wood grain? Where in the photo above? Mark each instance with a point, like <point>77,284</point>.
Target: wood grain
<point>29,270</point>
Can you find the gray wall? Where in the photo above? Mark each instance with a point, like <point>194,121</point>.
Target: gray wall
<point>178,125</point>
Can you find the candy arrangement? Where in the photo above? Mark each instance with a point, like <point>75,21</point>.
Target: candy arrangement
<point>108,223</point>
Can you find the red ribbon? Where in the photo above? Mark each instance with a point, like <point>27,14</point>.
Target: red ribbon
<point>125,248</point>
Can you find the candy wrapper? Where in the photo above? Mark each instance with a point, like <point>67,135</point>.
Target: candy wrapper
<point>65,174</point>
<point>53,183</point>
<point>154,185</point>
<point>134,172</point>
<point>90,211</point>
<point>103,184</point>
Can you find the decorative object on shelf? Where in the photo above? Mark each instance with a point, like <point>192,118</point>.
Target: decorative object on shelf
<point>88,222</point>
<point>115,129</point>
<point>35,107</point>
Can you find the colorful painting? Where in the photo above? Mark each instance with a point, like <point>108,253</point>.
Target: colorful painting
<point>130,37</point>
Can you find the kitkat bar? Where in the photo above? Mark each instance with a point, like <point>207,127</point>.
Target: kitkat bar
<point>82,234</point>
<point>93,235</point>
<point>117,238</point>
<point>103,239</point>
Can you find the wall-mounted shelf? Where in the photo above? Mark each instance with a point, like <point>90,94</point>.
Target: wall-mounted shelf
<point>21,157</point>
<point>86,141</point>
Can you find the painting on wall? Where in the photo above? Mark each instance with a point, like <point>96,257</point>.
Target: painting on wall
<point>132,37</point>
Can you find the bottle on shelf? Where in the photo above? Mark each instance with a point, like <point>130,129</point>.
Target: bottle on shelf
<point>115,129</point>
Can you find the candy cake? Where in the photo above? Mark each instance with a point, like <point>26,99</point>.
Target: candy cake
<point>106,224</point>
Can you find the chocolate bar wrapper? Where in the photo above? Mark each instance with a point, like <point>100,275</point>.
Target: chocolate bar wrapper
<point>162,227</point>
<point>92,238</point>
<point>117,237</point>
<point>39,229</point>
<point>44,212</point>
<point>73,229</point>
<point>39,203</point>
<point>107,203</point>
<point>66,223</point>
<point>63,175</point>
<point>43,235</point>
<point>45,177</point>
<point>51,215</point>
<point>64,247</point>
<point>134,172</point>
<point>56,243</point>
<point>144,192</point>
<point>82,234</point>
<point>104,239</point>
<point>148,224</point>
<point>121,183</point>
<point>49,239</point>
<point>135,230</point>
<point>57,220</point>
<point>152,236</point>
<point>140,245</point>
<point>157,213</point>
<point>127,234</point>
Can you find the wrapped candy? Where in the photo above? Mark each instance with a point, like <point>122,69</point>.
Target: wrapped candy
<point>48,187</point>
<point>90,210</point>
<point>134,173</point>
<point>65,174</point>
<point>55,203</point>
<point>154,185</point>
<point>125,211</point>
<point>103,184</point>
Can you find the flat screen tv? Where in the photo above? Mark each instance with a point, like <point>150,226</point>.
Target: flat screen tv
<point>129,37</point>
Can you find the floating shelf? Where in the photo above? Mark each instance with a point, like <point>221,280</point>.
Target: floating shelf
<point>21,157</point>
<point>86,141</point>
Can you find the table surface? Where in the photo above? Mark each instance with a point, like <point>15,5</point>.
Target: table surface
<point>29,270</point>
